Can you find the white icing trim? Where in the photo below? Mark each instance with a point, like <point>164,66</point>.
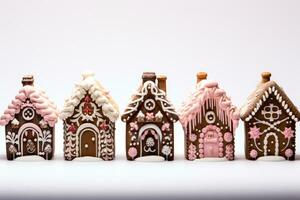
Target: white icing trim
<point>158,96</point>
<point>98,94</point>
<point>141,131</point>
<point>80,130</point>
<point>264,97</point>
<point>266,144</point>
<point>21,133</point>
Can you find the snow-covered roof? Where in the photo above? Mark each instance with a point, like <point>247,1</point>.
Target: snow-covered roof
<point>99,95</point>
<point>43,106</point>
<point>261,94</point>
<point>208,93</point>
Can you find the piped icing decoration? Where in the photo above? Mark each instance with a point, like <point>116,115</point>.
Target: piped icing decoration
<point>150,87</point>
<point>99,95</point>
<point>42,105</point>
<point>208,94</point>
<point>262,93</point>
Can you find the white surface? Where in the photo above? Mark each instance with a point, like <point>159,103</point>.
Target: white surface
<point>234,41</point>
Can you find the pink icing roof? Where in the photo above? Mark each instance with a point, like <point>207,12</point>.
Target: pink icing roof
<point>40,101</point>
<point>209,93</point>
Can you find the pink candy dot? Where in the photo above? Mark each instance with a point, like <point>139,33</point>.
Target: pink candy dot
<point>289,153</point>
<point>253,153</point>
<point>201,151</point>
<point>228,137</point>
<point>220,144</point>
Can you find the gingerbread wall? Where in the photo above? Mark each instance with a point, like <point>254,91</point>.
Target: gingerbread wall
<point>149,132</point>
<point>271,132</point>
<point>88,132</point>
<point>210,136</point>
<point>28,135</point>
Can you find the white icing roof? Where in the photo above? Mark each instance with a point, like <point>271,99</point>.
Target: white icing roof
<point>40,101</point>
<point>98,94</point>
<point>261,93</point>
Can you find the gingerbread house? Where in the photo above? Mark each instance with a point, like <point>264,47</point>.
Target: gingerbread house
<point>29,123</point>
<point>270,122</point>
<point>150,119</point>
<point>209,120</point>
<point>89,117</point>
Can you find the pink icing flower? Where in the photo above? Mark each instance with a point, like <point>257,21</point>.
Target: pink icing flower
<point>149,116</point>
<point>289,153</point>
<point>253,153</point>
<point>254,133</point>
<point>165,127</point>
<point>228,137</point>
<point>134,126</point>
<point>288,133</point>
<point>132,152</point>
<point>193,137</point>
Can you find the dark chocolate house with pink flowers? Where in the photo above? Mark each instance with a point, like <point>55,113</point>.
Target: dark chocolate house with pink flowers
<point>270,122</point>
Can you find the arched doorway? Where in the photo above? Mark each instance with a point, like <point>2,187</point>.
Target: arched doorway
<point>211,144</point>
<point>271,145</point>
<point>149,138</point>
<point>29,139</point>
<point>88,140</point>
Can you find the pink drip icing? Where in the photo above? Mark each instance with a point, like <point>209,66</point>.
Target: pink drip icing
<point>208,95</point>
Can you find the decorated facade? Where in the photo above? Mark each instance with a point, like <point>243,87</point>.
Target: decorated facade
<point>270,122</point>
<point>150,119</point>
<point>29,123</point>
<point>89,117</point>
<point>209,120</point>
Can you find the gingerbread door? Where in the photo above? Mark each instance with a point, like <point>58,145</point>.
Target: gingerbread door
<point>149,142</point>
<point>29,140</point>
<point>211,147</point>
<point>88,143</point>
<point>271,145</point>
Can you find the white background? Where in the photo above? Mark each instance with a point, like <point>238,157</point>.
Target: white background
<point>234,41</point>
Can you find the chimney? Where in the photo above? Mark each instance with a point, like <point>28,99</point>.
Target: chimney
<point>149,76</point>
<point>266,77</point>
<point>162,83</point>
<point>201,76</point>
<point>27,80</point>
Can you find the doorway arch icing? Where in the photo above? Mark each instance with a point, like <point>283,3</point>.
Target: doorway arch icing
<point>266,143</point>
<point>84,129</point>
<point>154,132</point>
<point>23,130</point>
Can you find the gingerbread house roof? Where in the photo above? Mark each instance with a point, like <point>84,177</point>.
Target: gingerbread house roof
<point>261,94</point>
<point>99,95</point>
<point>43,106</point>
<point>149,86</point>
<point>208,93</point>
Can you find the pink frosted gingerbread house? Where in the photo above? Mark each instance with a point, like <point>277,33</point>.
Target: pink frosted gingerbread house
<point>209,120</point>
<point>29,123</point>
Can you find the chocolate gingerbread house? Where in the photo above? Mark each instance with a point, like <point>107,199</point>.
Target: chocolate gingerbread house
<point>150,119</point>
<point>270,122</point>
<point>29,123</point>
<point>209,120</point>
<point>89,117</point>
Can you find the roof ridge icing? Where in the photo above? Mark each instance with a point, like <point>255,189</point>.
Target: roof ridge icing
<point>98,93</point>
<point>160,96</point>
<point>40,101</point>
<point>261,94</point>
